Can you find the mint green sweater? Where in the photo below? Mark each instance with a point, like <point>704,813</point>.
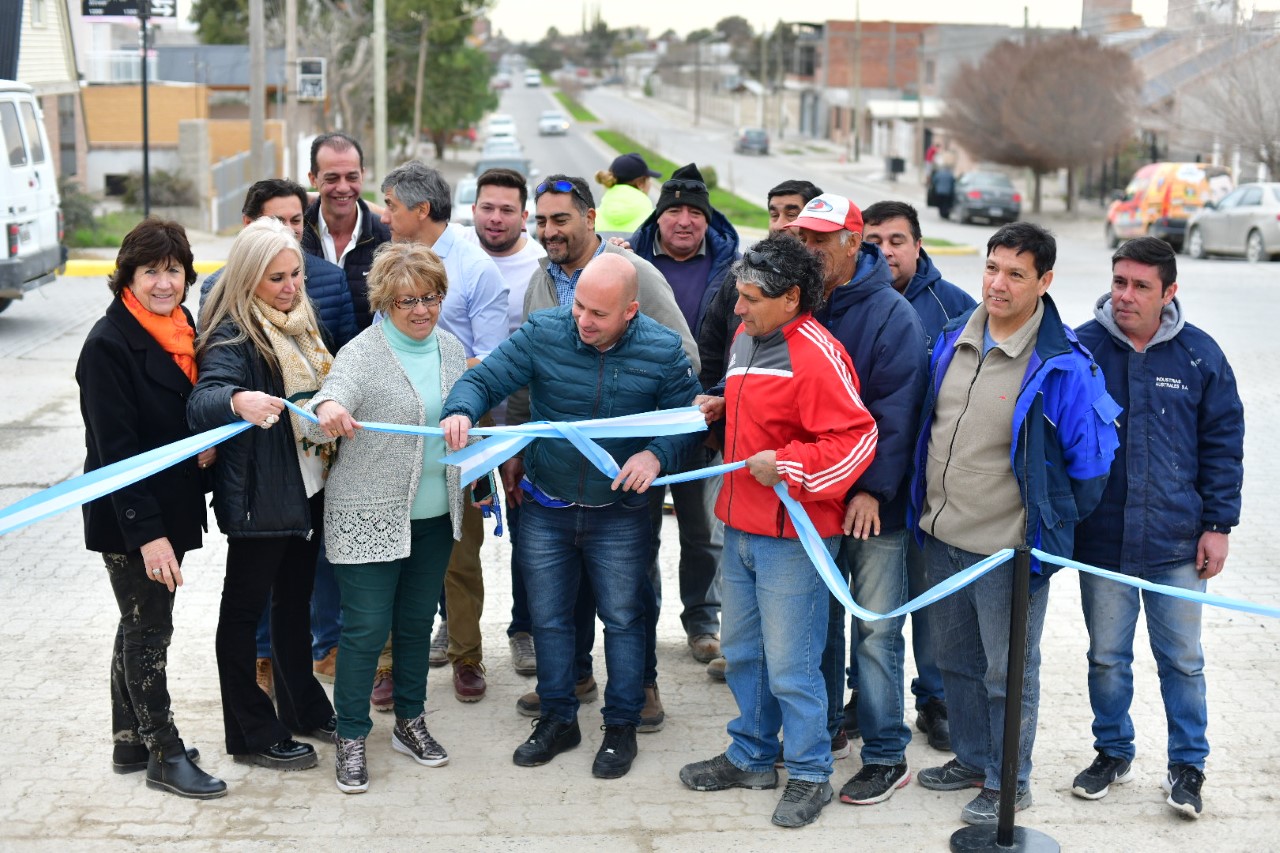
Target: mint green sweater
<point>421,362</point>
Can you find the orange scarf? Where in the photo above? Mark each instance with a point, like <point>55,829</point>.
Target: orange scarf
<point>173,333</point>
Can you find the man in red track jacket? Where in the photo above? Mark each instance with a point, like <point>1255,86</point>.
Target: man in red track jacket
<point>794,415</point>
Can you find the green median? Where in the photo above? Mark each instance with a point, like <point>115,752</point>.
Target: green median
<point>577,110</point>
<point>739,211</point>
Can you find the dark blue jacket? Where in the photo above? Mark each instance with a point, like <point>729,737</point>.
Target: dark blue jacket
<point>326,285</point>
<point>722,245</point>
<point>1180,466</point>
<point>935,299</point>
<point>645,371</point>
<point>883,337</point>
<point>358,261</point>
<point>1064,435</point>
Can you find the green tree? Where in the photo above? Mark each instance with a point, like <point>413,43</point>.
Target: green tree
<point>457,93</point>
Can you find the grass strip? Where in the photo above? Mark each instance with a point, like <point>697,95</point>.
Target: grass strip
<point>738,210</point>
<point>577,110</point>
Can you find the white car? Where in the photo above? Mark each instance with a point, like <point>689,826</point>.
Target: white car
<point>464,195</point>
<point>532,78</point>
<point>501,146</point>
<point>500,124</point>
<point>30,212</point>
<point>552,123</point>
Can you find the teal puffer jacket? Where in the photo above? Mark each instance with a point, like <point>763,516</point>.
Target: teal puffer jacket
<point>645,371</point>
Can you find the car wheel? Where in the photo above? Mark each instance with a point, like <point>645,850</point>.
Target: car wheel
<point>1195,244</point>
<point>5,303</point>
<point>1254,250</point>
<point>1112,240</point>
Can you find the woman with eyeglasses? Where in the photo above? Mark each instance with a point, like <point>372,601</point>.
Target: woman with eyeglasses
<point>392,511</point>
<point>259,345</point>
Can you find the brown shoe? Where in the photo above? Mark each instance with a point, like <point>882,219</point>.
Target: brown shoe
<point>716,669</point>
<point>327,666</point>
<point>531,706</point>
<point>383,696</point>
<point>468,680</point>
<point>705,647</point>
<point>265,678</point>
<point>652,716</point>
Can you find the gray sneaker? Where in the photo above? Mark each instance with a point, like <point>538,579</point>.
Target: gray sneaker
<point>721,774</point>
<point>439,655</point>
<point>984,809</point>
<point>352,772</point>
<point>523,657</point>
<point>801,801</point>
<point>952,776</point>
<point>412,738</point>
<point>1096,780</point>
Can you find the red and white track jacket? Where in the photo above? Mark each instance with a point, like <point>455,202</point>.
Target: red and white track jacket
<point>793,390</point>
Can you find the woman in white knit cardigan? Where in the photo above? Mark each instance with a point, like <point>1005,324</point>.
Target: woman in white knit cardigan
<point>392,510</point>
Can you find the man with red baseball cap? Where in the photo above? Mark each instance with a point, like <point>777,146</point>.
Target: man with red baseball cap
<point>884,338</point>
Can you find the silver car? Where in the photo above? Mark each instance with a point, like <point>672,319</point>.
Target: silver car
<point>1246,222</point>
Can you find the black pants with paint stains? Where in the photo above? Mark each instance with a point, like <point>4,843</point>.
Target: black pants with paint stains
<point>139,686</point>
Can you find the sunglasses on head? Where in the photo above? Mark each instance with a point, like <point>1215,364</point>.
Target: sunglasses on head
<point>560,187</point>
<point>761,261</point>
<point>682,184</point>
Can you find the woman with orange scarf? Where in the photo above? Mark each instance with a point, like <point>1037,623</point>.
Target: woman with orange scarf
<point>136,370</point>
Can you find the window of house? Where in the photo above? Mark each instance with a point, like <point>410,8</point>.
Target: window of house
<point>37,13</point>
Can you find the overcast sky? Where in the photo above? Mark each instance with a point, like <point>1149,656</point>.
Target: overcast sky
<point>523,20</point>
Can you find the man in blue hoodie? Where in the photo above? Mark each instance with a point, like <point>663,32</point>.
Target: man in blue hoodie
<point>692,244</point>
<point>1170,503</point>
<point>883,337</point>
<point>894,227</point>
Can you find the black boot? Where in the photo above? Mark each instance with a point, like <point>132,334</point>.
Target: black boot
<point>171,769</point>
<point>134,757</point>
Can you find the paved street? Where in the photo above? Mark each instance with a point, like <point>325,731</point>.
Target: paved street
<point>57,617</point>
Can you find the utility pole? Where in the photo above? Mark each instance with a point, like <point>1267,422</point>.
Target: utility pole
<point>144,12</point>
<point>920,107</point>
<point>697,85</point>
<point>857,83</point>
<point>764,75</point>
<point>258,88</point>
<point>379,89</point>
<point>291,166</point>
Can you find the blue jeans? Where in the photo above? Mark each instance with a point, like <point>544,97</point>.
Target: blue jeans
<point>928,681</point>
<point>519,598</point>
<point>611,545</point>
<point>1111,614</point>
<point>878,574</point>
<point>701,544</point>
<point>971,641</point>
<point>326,613</point>
<point>775,626</point>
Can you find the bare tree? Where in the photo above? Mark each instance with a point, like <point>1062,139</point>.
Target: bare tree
<point>1238,105</point>
<point>1046,104</point>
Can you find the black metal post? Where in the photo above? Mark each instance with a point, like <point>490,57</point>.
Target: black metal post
<point>144,12</point>
<point>1005,836</point>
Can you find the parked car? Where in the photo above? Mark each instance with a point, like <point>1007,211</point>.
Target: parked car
<point>532,78</point>
<point>519,164</point>
<point>552,123</point>
<point>986,195</point>
<point>501,146</point>
<point>500,81</point>
<point>31,211</point>
<point>1161,198</point>
<point>751,140</point>
<point>464,195</point>
<point>1246,222</point>
<point>500,124</point>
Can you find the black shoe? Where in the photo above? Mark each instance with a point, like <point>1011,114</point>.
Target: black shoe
<point>549,739</point>
<point>172,770</point>
<point>617,751</point>
<point>931,718</point>
<point>851,728</point>
<point>875,783</point>
<point>1183,784</point>
<point>1096,780</point>
<point>325,730</point>
<point>288,754</point>
<point>133,757</point>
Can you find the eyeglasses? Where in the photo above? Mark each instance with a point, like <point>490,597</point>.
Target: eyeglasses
<point>408,303</point>
<point>760,260</point>
<point>560,187</point>
<point>682,184</point>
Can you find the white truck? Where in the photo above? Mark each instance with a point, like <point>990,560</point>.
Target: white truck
<point>31,253</point>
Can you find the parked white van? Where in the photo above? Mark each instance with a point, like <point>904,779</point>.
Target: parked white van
<point>31,250</point>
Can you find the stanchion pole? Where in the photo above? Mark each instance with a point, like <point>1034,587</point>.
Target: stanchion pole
<point>1005,835</point>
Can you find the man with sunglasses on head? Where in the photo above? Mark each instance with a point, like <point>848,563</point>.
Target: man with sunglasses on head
<point>417,204</point>
<point>566,219</point>
<point>793,414</point>
<point>883,336</point>
<point>693,245</point>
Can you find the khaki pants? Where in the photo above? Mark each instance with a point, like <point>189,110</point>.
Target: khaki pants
<point>464,589</point>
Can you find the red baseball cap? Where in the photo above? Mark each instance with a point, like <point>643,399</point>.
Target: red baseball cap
<point>829,212</point>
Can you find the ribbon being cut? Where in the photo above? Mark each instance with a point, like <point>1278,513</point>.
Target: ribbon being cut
<point>503,443</point>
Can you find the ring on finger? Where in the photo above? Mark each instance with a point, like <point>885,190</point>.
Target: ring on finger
<point>156,572</point>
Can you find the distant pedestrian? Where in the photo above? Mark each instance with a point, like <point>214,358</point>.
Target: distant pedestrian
<point>1172,499</point>
<point>942,189</point>
<point>625,204</point>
